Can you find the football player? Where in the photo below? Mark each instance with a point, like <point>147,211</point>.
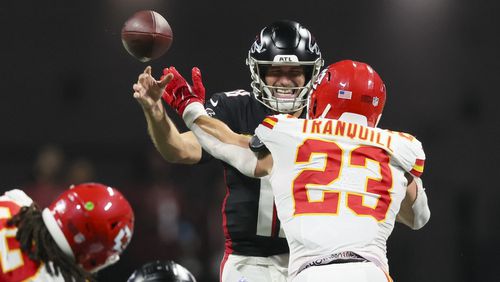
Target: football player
<point>339,182</point>
<point>84,230</point>
<point>284,62</point>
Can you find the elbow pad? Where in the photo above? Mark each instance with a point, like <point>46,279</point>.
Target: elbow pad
<point>420,207</point>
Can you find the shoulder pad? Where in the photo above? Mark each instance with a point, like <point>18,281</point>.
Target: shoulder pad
<point>19,197</point>
<point>256,145</point>
<point>409,153</point>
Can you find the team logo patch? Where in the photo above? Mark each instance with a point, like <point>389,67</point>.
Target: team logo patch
<point>375,101</point>
<point>286,58</point>
<point>214,103</point>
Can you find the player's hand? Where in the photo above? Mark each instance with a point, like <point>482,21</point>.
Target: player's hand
<point>148,91</point>
<point>179,94</point>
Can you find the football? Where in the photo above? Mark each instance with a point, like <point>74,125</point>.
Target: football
<point>146,35</point>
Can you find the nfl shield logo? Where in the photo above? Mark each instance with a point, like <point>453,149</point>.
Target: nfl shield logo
<point>375,101</point>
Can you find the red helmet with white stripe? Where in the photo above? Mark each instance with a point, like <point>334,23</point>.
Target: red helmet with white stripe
<point>92,223</point>
<point>348,87</point>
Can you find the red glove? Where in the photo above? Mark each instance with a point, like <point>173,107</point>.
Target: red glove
<point>179,94</point>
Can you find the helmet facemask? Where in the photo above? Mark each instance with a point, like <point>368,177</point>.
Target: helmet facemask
<point>283,44</point>
<point>269,94</point>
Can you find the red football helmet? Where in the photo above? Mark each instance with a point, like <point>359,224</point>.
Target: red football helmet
<point>348,87</point>
<point>91,223</point>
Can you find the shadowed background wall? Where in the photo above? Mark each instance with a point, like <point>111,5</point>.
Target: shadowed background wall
<point>67,84</point>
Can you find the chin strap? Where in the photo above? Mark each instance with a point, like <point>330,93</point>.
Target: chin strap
<point>325,111</point>
<point>109,261</point>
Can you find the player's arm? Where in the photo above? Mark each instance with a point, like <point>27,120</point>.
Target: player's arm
<point>414,211</point>
<point>175,147</point>
<point>409,154</point>
<point>264,164</point>
<point>212,134</point>
<point>221,131</point>
<point>222,143</point>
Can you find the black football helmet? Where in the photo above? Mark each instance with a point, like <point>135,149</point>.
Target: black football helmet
<point>162,271</point>
<point>283,43</point>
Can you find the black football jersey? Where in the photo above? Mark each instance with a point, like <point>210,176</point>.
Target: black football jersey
<point>249,216</point>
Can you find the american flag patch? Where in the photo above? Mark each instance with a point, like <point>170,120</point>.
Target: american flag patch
<point>344,94</point>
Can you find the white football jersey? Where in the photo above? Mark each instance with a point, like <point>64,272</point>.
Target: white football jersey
<point>16,265</point>
<point>338,186</point>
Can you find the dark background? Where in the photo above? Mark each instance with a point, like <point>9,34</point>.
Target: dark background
<point>67,115</point>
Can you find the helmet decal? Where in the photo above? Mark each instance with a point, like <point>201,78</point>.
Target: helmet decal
<point>89,206</point>
<point>286,59</point>
<point>79,238</point>
<point>313,46</point>
<point>122,239</point>
<point>344,94</point>
<point>258,45</point>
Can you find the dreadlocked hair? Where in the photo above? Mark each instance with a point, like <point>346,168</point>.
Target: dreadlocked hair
<point>38,244</point>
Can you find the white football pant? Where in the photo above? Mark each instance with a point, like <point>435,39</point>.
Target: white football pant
<point>255,269</point>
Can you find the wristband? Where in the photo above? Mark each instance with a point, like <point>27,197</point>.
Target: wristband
<point>192,112</point>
